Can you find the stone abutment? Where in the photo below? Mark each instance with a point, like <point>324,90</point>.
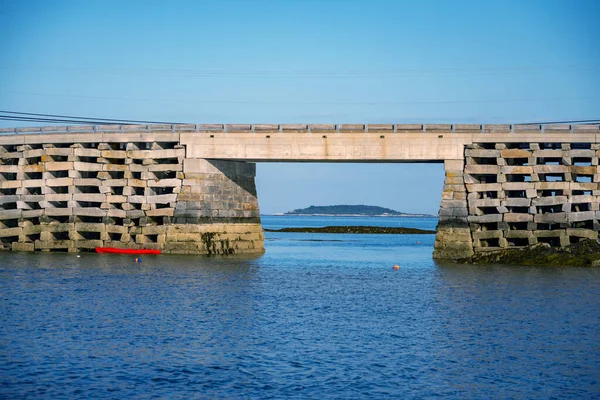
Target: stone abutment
<point>76,197</point>
<point>511,195</point>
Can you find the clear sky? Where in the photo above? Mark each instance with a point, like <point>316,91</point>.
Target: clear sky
<point>307,61</point>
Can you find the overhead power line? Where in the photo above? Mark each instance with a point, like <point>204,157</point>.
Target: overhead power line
<point>94,118</point>
<point>55,120</point>
<point>70,119</point>
<point>580,121</point>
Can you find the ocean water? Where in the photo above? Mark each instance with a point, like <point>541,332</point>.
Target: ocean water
<point>317,316</point>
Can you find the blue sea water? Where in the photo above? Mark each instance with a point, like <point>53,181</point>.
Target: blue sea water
<point>316,316</point>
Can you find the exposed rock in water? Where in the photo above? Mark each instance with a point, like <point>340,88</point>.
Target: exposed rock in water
<point>582,254</point>
<point>354,229</point>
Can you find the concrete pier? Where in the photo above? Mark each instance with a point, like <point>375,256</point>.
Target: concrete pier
<point>190,188</point>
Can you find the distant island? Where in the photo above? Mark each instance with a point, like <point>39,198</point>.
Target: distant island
<point>353,210</point>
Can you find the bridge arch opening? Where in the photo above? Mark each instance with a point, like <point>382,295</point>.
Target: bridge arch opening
<point>406,187</point>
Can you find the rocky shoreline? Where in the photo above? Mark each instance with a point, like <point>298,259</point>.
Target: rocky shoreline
<point>585,253</point>
<point>355,229</point>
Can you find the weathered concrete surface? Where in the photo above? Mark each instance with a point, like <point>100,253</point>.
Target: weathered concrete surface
<point>316,142</point>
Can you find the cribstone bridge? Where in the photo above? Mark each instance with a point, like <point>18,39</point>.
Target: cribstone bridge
<point>190,188</point>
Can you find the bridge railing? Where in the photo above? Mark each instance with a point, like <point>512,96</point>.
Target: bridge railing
<point>309,128</point>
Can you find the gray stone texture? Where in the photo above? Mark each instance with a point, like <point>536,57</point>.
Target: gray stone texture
<point>126,195</point>
<point>537,196</point>
<point>453,240</point>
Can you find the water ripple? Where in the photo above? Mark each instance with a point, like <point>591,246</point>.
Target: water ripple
<point>326,320</point>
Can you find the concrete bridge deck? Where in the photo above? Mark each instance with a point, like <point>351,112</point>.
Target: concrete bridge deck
<point>313,142</point>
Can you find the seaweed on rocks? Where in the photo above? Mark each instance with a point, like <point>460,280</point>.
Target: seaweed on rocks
<point>581,254</point>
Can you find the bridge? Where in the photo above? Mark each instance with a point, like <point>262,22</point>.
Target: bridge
<point>190,188</point>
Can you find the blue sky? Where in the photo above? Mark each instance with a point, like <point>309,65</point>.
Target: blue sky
<point>307,61</point>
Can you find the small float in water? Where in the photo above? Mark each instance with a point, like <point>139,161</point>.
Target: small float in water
<point>114,250</point>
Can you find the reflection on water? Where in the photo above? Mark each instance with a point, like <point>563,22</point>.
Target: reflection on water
<point>316,316</point>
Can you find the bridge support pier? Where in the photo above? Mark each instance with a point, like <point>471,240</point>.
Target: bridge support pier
<point>513,195</point>
<point>453,239</point>
<point>218,204</point>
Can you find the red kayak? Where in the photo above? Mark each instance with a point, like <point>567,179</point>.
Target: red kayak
<point>114,250</point>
